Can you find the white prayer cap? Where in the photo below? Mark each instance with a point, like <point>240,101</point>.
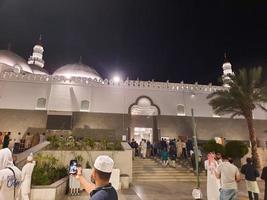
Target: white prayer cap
<point>104,164</point>
<point>30,157</point>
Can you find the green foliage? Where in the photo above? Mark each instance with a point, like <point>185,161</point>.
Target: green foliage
<point>79,159</point>
<point>87,165</point>
<point>117,146</point>
<point>236,149</point>
<point>104,145</point>
<point>88,142</point>
<point>72,143</point>
<point>54,141</point>
<point>211,146</point>
<point>47,170</point>
<point>245,93</point>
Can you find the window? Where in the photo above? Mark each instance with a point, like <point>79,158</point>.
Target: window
<point>180,110</point>
<point>41,103</point>
<point>85,105</point>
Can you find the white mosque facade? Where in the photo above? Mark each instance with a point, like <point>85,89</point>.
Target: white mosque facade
<point>75,97</point>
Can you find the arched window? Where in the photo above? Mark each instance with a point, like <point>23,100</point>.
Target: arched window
<point>41,103</point>
<point>85,105</point>
<point>180,110</point>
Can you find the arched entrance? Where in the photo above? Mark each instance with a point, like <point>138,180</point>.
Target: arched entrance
<point>143,123</point>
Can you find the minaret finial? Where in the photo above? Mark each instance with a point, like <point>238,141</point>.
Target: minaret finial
<point>37,56</point>
<point>225,58</point>
<point>40,40</point>
<point>80,59</point>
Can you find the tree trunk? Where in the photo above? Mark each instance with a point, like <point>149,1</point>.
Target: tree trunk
<point>253,140</point>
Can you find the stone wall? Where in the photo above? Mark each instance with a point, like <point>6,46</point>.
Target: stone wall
<point>55,191</point>
<point>20,120</point>
<point>207,128</point>
<point>116,125</point>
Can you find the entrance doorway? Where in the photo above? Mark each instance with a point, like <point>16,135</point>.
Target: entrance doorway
<point>143,133</point>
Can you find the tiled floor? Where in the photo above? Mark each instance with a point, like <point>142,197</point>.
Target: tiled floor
<point>166,191</point>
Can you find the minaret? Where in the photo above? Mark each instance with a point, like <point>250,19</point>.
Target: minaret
<point>227,69</point>
<point>37,55</point>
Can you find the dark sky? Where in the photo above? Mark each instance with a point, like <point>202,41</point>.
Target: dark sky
<point>151,39</point>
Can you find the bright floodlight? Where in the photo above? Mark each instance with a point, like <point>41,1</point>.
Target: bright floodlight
<point>116,79</point>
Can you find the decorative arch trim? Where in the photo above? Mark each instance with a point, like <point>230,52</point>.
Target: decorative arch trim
<point>141,97</point>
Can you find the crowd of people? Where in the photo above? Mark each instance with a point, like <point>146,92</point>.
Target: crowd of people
<point>19,143</point>
<point>167,151</point>
<point>222,175</point>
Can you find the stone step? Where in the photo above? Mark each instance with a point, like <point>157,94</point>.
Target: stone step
<point>167,180</point>
<point>157,177</point>
<point>164,173</point>
<point>148,170</point>
<point>161,169</point>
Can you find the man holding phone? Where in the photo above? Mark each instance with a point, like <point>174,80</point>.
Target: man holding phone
<point>100,188</point>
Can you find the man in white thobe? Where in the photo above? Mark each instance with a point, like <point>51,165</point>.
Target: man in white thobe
<point>143,148</point>
<point>26,178</point>
<point>179,148</point>
<point>10,176</point>
<point>213,183</point>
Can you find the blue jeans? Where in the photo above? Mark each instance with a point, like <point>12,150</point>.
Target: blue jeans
<point>228,194</point>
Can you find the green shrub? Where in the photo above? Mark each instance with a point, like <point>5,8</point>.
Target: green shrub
<point>117,145</point>
<point>47,170</point>
<point>87,165</point>
<point>236,149</point>
<point>103,144</point>
<point>88,142</point>
<point>72,143</point>
<point>211,145</point>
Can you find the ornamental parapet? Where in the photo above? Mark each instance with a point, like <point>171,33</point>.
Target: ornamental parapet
<point>153,85</point>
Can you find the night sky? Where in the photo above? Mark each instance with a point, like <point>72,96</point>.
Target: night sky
<point>163,40</point>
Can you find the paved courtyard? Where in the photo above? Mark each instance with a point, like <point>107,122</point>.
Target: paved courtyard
<point>166,191</point>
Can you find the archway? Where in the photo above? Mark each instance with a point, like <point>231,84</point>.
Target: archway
<point>143,123</point>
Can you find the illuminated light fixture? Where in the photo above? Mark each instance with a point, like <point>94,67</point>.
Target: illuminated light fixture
<point>116,79</point>
<point>68,76</point>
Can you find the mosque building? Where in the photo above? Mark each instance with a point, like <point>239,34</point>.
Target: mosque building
<point>75,97</point>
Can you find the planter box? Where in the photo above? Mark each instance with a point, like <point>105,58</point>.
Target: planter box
<point>122,159</point>
<point>55,191</point>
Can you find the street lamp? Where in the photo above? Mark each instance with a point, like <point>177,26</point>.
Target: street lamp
<point>196,193</point>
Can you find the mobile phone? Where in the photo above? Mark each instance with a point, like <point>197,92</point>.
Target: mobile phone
<point>73,167</point>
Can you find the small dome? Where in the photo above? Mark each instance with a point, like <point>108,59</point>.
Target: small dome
<point>14,61</point>
<point>77,70</point>
<point>38,70</point>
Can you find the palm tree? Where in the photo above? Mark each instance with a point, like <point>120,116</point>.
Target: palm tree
<point>246,92</point>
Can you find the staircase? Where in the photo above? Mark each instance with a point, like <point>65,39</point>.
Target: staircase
<point>148,170</point>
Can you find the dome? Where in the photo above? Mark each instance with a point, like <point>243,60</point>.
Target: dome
<point>77,70</point>
<point>14,61</point>
<point>38,70</point>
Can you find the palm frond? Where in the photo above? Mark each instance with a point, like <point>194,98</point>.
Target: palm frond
<point>246,92</point>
